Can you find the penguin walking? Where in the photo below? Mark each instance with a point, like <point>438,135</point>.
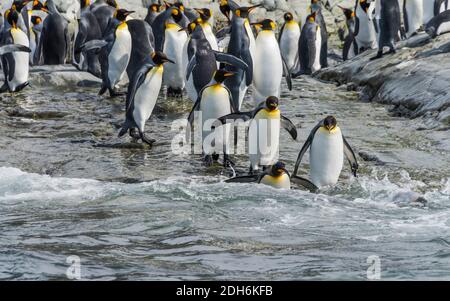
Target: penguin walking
<point>413,16</point>
<point>309,46</point>
<point>365,31</point>
<point>327,149</point>
<point>351,48</point>
<point>14,55</point>
<point>388,19</point>
<point>214,101</point>
<point>153,12</point>
<point>288,39</point>
<point>142,94</point>
<point>268,64</point>
<point>264,132</point>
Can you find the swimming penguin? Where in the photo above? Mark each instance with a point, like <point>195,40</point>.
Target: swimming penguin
<point>201,61</point>
<point>142,43</point>
<point>207,26</point>
<point>316,6</point>
<point>328,147</point>
<point>388,20</point>
<point>142,94</point>
<point>264,131</point>
<point>214,101</point>
<point>288,40</point>
<point>153,12</point>
<point>350,49</point>
<point>309,46</point>
<point>240,46</point>
<point>413,16</point>
<point>54,43</point>
<point>365,31</point>
<point>268,64</point>
<point>439,24</point>
<point>14,56</point>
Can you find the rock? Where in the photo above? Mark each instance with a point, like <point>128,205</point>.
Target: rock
<point>444,116</point>
<point>61,75</point>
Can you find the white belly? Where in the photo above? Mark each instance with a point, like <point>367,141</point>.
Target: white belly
<point>326,157</point>
<point>268,67</point>
<point>215,103</point>
<point>289,45</point>
<point>428,10</point>
<point>414,10</point>
<point>367,36</point>
<point>252,45</point>
<point>316,65</point>
<point>174,74</point>
<point>281,182</point>
<point>119,57</point>
<point>443,28</point>
<point>264,139</point>
<point>210,36</point>
<point>146,96</point>
<point>21,60</point>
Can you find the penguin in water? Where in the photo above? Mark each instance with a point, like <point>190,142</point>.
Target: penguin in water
<point>439,24</point>
<point>207,26</point>
<point>214,101</point>
<point>268,64</point>
<point>288,40</point>
<point>365,30</point>
<point>14,54</point>
<point>351,48</point>
<point>328,147</point>
<point>153,12</point>
<point>413,16</point>
<point>316,6</point>
<point>142,94</point>
<point>309,46</point>
<point>264,132</point>
<point>388,19</point>
<point>202,60</point>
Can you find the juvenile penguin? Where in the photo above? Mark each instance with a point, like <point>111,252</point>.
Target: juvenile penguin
<point>214,101</point>
<point>14,55</point>
<point>264,132</point>
<point>153,12</point>
<point>365,31</point>
<point>268,64</point>
<point>142,94</point>
<point>328,147</point>
<point>413,16</point>
<point>309,46</point>
<point>388,17</point>
<point>288,39</point>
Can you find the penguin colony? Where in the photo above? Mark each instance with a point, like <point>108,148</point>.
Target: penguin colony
<point>178,47</point>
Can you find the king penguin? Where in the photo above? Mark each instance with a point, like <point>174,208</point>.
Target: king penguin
<point>328,147</point>
<point>142,94</point>
<point>350,49</point>
<point>142,43</point>
<point>309,46</point>
<point>316,6</point>
<point>388,17</point>
<point>153,12</point>
<point>207,26</point>
<point>288,40</point>
<point>365,31</point>
<point>413,16</point>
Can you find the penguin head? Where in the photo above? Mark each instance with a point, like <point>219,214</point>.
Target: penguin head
<point>329,123</point>
<point>155,7</point>
<point>177,4</point>
<point>37,5</point>
<point>18,5</point>
<point>83,3</point>
<point>122,14</point>
<point>112,3</point>
<point>278,169</point>
<point>365,5</point>
<point>349,14</point>
<point>190,28</point>
<point>266,24</point>
<point>312,17</point>
<point>225,9</point>
<point>160,58</point>
<point>13,18</point>
<point>288,17</point>
<point>272,103</point>
<point>244,12</point>
<point>176,14</point>
<point>205,14</point>
<point>36,20</point>
<point>221,75</point>
<point>315,5</point>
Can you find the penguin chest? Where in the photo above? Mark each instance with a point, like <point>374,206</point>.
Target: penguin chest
<point>264,138</point>
<point>414,12</point>
<point>173,47</point>
<point>251,37</point>
<point>21,60</point>
<point>318,46</point>
<point>119,56</point>
<point>207,29</point>
<point>289,43</point>
<point>326,157</point>
<point>367,35</point>
<point>428,11</point>
<point>146,96</point>
<point>281,182</point>
<point>268,66</point>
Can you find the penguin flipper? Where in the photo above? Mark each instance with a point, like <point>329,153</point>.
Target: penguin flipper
<point>305,147</point>
<point>247,57</point>
<point>238,116</point>
<point>93,44</point>
<point>13,48</point>
<point>231,60</point>
<point>356,31</point>
<point>191,116</point>
<point>191,66</point>
<point>287,73</point>
<point>244,179</point>
<point>305,183</point>
<point>350,155</point>
<point>289,126</point>
<point>223,32</point>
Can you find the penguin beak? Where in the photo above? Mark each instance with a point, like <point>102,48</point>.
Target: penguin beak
<point>257,25</point>
<point>183,29</point>
<point>128,13</point>
<point>253,7</point>
<point>169,60</point>
<point>228,74</point>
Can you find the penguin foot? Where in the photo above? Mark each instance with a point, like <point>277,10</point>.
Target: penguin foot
<point>134,133</point>
<point>4,88</point>
<point>227,161</point>
<point>208,160</point>
<point>102,91</point>
<point>113,93</point>
<point>147,140</point>
<point>392,51</point>
<point>22,86</point>
<point>378,56</point>
<point>177,93</point>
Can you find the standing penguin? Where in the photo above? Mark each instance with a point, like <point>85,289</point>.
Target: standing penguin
<point>309,46</point>
<point>316,6</point>
<point>142,94</point>
<point>142,43</point>
<point>207,26</point>
<point>268,64</point>
<point>264,132</point>
<point>153,12</point>
<point>388,18</point>
<point>328,147</point>
<point>35,35</point>
<point>214,101</point>
<point>413,16</point>
<point>365,31</point>
<point>288,40</point>
<point>350,45</point>
<point>14,55</point>
<point>172,14</point>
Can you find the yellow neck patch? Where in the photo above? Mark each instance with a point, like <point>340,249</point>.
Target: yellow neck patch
<point>172,26</point>
<point>122,26</point>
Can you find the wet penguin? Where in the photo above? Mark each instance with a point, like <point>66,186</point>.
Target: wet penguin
<point>388,20</point>
<point>142,94</point>
<point>14,54</point>
<point>328,147</point>
<point>309,46</point>
<point>288,40</point>
<point>365,31</point>
<point>153,12</point>
<point>351,48</point>
<point>264,132</point>
<point>207,26</point>
<point>316,6</point>
<point>275,176</point>
<point>413,16</point>
<point>214,101</point>
<point>439,24</point>
<point>268,64</point>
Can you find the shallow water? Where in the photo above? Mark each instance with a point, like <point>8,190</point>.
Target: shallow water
<point>69,186</point>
